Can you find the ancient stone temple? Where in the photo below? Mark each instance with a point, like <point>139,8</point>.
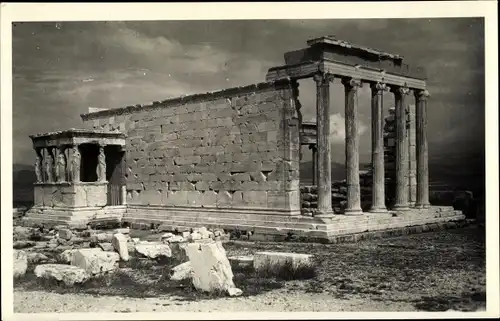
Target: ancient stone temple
<point>231,158</point>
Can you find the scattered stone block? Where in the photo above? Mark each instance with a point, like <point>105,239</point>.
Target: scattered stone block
<point>185,234</point>
<point>106,247</point>
<point>195,236</point>
<point>211,268</point>
<point>282,264</point>
<point>181,272</point>
<point>179,251</point>
<point>135,240</point>
<point>165,237</point>
<point>21,232</point>
<point>153,250</point>
<point>20,263</point>
<point>101,238</point>
<point>65,234</point>
<point>242,261</point>
<point>94,261</point>
<point>40,245</point>
<point>23,244</point>
<point>234,292</point>
<point>61,272</point>
<point>66,256</point>
<point>124,230</point>
<point>120,245</point>
<point>36,258</point>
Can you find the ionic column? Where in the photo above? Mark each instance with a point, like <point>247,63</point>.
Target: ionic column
<point>101,165</point>
<point>401,203</point>
<point>422,150</point>
<point>378,187</point>
<point>324,169</point>
<point>351,87</point>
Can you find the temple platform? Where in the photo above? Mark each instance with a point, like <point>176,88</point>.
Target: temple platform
<point>280,227</point>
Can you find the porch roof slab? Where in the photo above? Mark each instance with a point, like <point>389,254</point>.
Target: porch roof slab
<point>78,136</point>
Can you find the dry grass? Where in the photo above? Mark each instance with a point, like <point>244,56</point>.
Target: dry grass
<point>433,271</point>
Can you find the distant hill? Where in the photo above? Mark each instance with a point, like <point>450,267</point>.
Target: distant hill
<point>22,184</point>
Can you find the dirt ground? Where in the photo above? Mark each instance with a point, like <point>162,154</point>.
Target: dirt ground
<point>434,271</point>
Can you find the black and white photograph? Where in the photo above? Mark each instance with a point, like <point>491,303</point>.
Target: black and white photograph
<point>250,164</point>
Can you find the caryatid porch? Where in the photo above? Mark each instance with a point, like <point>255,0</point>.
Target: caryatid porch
<point>327,59</point>
<point>78,173</point>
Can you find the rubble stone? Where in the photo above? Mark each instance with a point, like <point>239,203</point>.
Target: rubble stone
<point>120,245</point>
<point>153,250</point>
<point>95,262</point>
<point>211,268</point>
<point>20,263</point>
<point>66,273</point>
<point>181,272</point>
<point>274,262</point>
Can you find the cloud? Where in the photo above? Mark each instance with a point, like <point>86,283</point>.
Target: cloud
<point>337,128</point>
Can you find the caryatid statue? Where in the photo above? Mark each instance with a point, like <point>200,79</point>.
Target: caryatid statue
<point>61,165</point>
<point>75,164</point>
<point>38,168</point>
<point>49,166</point>
<point>101,166</point>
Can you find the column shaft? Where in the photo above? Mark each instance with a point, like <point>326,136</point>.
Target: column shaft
<point>401,150</point>
<point>378,179</point>
<point>324,166</point>
<point>351,87</point>
<point>422,150</point>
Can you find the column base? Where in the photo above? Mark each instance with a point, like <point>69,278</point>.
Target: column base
<point>325,214</point>
<point>378,210</point>
<point>423,206</point>
<point>353,211</point>
<point>401,207</point>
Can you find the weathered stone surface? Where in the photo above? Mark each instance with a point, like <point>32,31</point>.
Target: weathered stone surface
<point>35,258</point>
<point>106,247</point>
<point>67,255</point>
<point>153,250</point>
<point>20,261</point>
<point>23,244</point>
<point>165,237</point>
<point>268,262</point>
<point>243,261</point>
<point>120,245</point>
<point>65,234</point>
<point>21,232</point>
<point>179,251</point>
<point>124,230</point>
<point>181,272</point>
<point>211,268</point>
<point>234,292</point>
<point>68,274</point>
<point>94,261</point>
<point>101,237</point>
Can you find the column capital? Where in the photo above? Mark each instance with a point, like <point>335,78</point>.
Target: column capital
<point>379,87</point>
<point>351,83</point>
<point>422,94</point>
<point>323,78</point>
<point>401,90</point>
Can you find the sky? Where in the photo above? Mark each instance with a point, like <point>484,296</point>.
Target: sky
<point>60,69</point>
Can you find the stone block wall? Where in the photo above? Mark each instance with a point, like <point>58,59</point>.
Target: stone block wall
<point>71,195</point>
<point>236,148</point>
